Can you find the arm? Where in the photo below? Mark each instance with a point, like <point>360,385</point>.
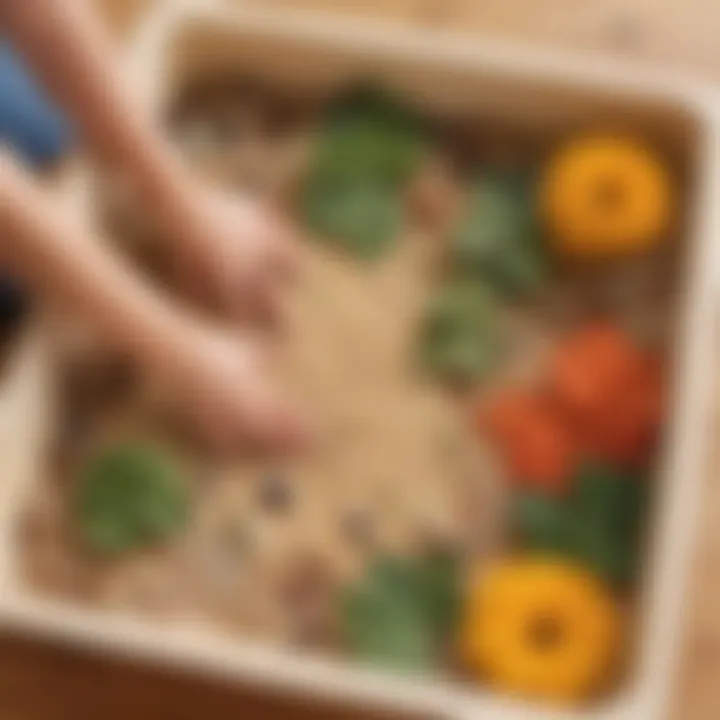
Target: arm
<point>63,263</point>
<point>69,49</point>
<point>218,378</point>
<point>233,248</point>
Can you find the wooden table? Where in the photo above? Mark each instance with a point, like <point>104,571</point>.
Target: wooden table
<point>46,683</point>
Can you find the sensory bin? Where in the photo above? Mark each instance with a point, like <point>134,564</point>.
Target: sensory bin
<point>481,328</point>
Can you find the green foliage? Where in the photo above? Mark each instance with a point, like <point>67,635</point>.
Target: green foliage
<point>498,238</point>
<point>367,150</point>
<point>403,612</point>
<point>544,521</point>
<point>359,215</point>
<point>599,525</point>
<point>128,496</point>
<point>459,339</point>
<point>612,497</point>
<point>371,133</point>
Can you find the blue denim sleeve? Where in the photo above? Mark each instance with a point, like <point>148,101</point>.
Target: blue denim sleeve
<point>39,134</point>
<point>29,123</point>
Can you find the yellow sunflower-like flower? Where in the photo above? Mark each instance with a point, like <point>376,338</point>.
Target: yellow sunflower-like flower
<point>541,627</point>
<point>603,196</point>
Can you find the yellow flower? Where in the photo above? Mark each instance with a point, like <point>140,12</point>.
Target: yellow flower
<point>542,628</point>
<point>603,196</point>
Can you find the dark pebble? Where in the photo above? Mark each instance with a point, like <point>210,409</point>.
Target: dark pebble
<point>275,494</point>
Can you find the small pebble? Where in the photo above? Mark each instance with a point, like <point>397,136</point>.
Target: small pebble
<point>275,494</point>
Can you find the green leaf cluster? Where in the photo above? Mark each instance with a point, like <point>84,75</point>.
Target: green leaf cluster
<point>366,152</point>
<point>459,337</point>
<point>497,240</point>
<point>403,612</point>
<point>128,496</point>
<point>598,525</point>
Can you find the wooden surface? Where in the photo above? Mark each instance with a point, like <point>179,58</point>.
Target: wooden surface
<point>39,682</point>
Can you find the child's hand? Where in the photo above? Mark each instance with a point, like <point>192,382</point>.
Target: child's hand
<point>232,252</point>
<point>221,381</point>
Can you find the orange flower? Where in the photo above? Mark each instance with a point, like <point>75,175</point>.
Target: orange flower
<point>611,392</point>
<point>537,446</point>
<point>591,366</point>
<point>627,428</point>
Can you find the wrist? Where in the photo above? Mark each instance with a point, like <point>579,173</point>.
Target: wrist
<point>161,185</point>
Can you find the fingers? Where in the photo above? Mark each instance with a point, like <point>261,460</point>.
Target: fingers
<point>243,270</point>
<point>275,238</point>
<point>264,423</point>
<point>267,419</point>
<point>255,289</point>
<point>243,411</point>
<point>274,425</point>
<point>259,304</point>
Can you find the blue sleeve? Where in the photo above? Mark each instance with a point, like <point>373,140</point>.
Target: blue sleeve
<point>28,121</point>
<point>39,134</point>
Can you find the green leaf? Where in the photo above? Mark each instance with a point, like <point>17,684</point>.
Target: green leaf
<point>402,613</point>
<point>599,525</point>
<point>384,629</point>
<point>543,522</point>
<point>459,339</point>
<point>498,237</point>
<point>441,593</point>
<point>384,624</point>
<point>369,147</point>
<point>614,497</point>
<point>105,534</point>
<point>359,215</point>
<point>129,495</point>
<point>609,555</point>
<point>373,134</point>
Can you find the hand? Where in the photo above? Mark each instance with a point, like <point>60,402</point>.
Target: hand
<point>220,380</point>
<point>232,252</point>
